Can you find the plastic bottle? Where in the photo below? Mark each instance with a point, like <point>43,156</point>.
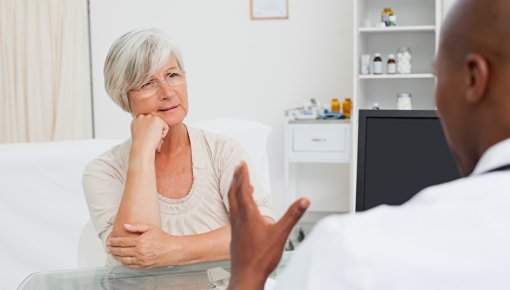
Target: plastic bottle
<point>335,106</point>
<point>391,65</point>
<point>377,64</point>
<point>404,60</point>
<point>346,107</point>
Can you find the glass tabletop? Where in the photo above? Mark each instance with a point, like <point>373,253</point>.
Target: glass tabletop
<point>185,277</point>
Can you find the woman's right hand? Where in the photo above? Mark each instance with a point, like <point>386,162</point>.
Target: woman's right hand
<point>148,132</point>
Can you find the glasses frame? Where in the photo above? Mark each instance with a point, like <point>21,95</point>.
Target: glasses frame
<point>158,82</point>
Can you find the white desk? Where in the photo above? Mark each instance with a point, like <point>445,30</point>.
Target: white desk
<point>314,141</point>
<point>169,278</point>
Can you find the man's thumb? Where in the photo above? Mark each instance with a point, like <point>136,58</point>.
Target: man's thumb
<point>293,214</point>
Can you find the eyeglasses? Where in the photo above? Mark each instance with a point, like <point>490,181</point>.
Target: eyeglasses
<point>150,88</point>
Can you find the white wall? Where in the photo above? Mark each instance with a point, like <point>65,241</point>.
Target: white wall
<point>237,67</point>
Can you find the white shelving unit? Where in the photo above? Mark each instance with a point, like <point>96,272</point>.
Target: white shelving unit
<point>418,27</point>
<point>415,28</point>
<point>396,76</point>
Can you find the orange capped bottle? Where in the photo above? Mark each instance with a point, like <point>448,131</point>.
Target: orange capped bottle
<point>335,106</point>
<point>346,107</point>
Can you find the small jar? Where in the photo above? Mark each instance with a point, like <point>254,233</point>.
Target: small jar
<point>335,106</point>
<point>404,60</point>
<point>404,101</point>
<point>347,107</point>
<point>391,67</point>
<point>377,65</point>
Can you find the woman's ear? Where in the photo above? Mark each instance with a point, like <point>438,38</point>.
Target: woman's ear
<point>478,77</point>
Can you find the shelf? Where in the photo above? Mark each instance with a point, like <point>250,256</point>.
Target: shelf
<point>396,76</point>
<point>421,28</point>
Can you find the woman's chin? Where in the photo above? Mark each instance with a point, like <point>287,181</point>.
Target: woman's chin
<point>173,120</point>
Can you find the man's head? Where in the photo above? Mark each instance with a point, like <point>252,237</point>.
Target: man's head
<point>473,78</point>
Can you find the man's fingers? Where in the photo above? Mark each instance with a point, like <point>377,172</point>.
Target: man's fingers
<point>292,216</point>
<point>136,228</point>
<point>232,193</point>
<point>245,194</point>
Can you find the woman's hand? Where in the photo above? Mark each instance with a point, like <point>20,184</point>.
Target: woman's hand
<point>148,132</point>
<point>257,245</point>
<point>150,249</point>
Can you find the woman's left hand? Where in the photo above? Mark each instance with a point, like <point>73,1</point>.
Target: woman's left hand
<point>152,248</point>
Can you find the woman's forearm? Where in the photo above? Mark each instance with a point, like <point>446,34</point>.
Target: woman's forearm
<point>206,247</point>
<point>139,202</point>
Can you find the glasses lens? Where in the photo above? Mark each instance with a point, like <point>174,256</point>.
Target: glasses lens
<point>149,89</point>
<point>174,78</point>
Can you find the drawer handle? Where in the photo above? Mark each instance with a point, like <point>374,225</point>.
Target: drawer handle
<point>319,139</point>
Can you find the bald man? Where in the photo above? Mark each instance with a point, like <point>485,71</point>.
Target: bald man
<point>450,236</point>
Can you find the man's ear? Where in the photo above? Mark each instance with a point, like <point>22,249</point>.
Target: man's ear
<point>478,77</point>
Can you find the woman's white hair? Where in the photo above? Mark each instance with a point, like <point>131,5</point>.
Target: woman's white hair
<point>133,59</point>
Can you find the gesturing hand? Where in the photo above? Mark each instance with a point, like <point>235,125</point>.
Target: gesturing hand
<point>257,245</point>
<point>152,248</point>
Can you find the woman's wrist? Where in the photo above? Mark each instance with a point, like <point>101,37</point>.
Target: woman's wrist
<point>141,156</point>
<point>175,253</point>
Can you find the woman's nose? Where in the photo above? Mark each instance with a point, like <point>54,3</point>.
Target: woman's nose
<point>166,91</point>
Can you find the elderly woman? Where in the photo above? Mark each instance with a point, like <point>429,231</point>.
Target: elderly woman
<point>161,198</point>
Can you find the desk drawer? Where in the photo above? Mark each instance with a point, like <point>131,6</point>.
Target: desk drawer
<point>320,139</point>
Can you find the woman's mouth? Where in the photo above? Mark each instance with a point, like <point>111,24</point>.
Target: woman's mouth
<point>169,109</point>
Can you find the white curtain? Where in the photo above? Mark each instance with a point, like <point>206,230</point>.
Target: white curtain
<point>44,71</point>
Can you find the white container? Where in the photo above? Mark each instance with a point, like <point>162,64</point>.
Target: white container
<point>404,101</point>
<point>404,60</point>
<point>377,66</point>
<point>391,68</point>
<point>365,64</point>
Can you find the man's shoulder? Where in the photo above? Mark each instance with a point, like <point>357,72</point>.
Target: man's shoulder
<point>465,189</point>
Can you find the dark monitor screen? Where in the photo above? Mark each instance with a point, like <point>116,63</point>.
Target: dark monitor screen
<point>399,154</point>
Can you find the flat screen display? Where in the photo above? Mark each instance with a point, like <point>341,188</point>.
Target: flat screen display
<point>399,154</point>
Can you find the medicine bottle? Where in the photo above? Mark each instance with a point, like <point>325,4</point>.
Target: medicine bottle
<point>404,101</point>
<point>377,64</point>
<point>346,107</point>
<point>404,60</point>
<point>391,65</point>
<point>335,106</point>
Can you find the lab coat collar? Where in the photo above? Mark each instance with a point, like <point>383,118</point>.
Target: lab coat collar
<point>496,156</point>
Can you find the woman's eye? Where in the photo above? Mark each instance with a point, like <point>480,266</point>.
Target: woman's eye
<point>172,75</point>
<point>146,85</point>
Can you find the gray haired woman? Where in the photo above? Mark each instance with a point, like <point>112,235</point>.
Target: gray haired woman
<point>161,197</point>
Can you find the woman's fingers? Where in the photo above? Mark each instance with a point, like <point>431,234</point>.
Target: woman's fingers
<point>122,242</point>
<point>149,129</point>
<point>122,251</point>
<point>137,228</point>
<point>131,262</point>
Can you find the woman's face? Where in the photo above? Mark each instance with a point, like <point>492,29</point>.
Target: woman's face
<point>164,95</point>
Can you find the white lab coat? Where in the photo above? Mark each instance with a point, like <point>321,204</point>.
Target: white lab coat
<point>450,236</point>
